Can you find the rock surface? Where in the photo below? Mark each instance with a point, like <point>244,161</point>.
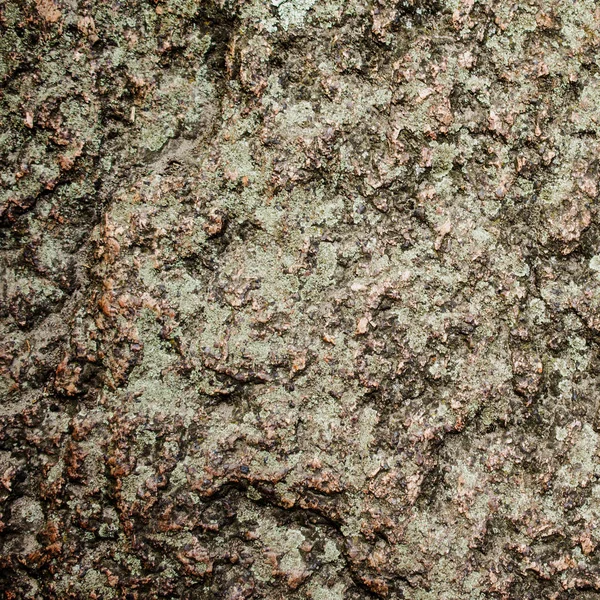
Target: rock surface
<point>299,299</point>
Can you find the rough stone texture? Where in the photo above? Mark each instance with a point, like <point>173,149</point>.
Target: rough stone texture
<point>299,299</point>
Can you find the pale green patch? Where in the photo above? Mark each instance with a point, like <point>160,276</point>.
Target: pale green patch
<point>595,263</point>
<point>581,464</point>
<point>369,419</point>
<point>336,592</point>
<point>292,13</point>
<point>537,311</point>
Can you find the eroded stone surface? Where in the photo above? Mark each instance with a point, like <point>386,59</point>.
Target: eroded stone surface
<point>299,299</point>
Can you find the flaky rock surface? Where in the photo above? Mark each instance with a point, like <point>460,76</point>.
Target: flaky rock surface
<point>299,299</point>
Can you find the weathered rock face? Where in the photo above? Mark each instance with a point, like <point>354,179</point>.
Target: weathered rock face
<point>300,299</point>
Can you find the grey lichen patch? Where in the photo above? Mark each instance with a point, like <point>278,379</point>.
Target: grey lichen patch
<point>292,13</point>
<point>581,465</point>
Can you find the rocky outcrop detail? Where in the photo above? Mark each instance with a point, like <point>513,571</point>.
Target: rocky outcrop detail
<point>299,299</point>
